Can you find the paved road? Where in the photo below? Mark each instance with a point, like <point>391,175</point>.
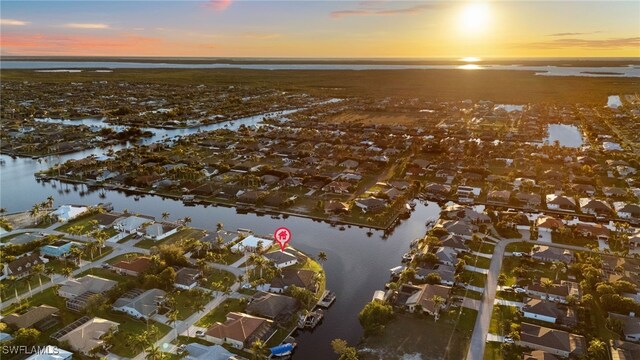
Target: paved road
<point>481,329</point>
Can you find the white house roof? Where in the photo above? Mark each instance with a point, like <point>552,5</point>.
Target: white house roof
<point>51,352</point>
<point>68,212</point>
<point>252,241</point>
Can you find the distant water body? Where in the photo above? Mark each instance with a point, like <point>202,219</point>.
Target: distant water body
<point>74,66</point>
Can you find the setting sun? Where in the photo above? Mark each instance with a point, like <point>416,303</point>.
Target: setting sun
<point>474,18</point>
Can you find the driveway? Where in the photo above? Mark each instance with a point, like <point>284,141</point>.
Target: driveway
<point>481,329</point>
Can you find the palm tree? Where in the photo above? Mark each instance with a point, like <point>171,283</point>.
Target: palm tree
<point>547,285</point>
<point>154,353</point>
<point>258,349</point>
<point>173,319</point>
<point>67,271</point>
<point>219,226</point>
<point>38,270</point>
<point>35,211</point>
<point>49,201</point>
<point>322,256</point>
<point>438,301</point>
<point>165,215</point>
<point>186,220</point>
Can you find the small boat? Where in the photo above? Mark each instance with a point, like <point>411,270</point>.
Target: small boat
<point>313,318</point>
<point>327,299</point>
<point>283,349</point>
<point>136,198</point>
<point>412,204</point>
<point>407,257</point>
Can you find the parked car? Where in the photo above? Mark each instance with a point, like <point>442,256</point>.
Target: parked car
<point>200,333</point>
<point>520,290</point>
<point>517,254</point>
<point>181,349</point>
<point>509,340</point>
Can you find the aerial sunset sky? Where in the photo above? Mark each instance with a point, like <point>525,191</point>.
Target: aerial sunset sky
<point>332,29</point>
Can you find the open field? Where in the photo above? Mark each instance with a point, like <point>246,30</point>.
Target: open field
<point>499,86</point>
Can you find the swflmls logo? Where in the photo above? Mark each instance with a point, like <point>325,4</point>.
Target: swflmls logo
<point>30,350</point>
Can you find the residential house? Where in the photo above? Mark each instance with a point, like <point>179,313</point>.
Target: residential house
<point>51,352</point>
<point>349,164</point>
<point>615,192</point>
<point>335,207</point>
<point>598,231</point>
<point>585,189</point>
<point>105,220</point>
<point>630,326</point>
<point>278,308</point>
<point>556,342</point>
<point>529,201</point>
<point>624,350</point>
<point>550,312</point>
<point>595,207</point>
<point>21,267</point>
<point>58,249</point>
<point>132,224</point>
<point>36,317</point>
<point>140,304</point>
<point>560,202</point>
<point>467,194</point>
<point>447,255</point>
<point>440,190</point>
<point>281,259</point>
<point>627,210</point>
<point>187,278</point>
<point>78,291</point>
<point>455,242</point>
<point>549,224</point>
<point>499,197</point>
<point>300,278</point>
<point>251,243</point>
<point>558,292</point>
<point>133,267</point>
<point>68,212</point>
<point>550,254</point>
<point>159,231</point>
<point>337,187</point>
<point>446,273</point>
<point>240,330</point>
<point>539,355</point>
<point>371,205</point>
<point>85,334</point>
<point>196,351</point>
<point>423,299</point>
<point>460,228</point>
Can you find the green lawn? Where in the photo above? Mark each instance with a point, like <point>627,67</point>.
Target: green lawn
<point>104,273</point>
<point>479,261</point>
<point>519,247</point>
<point>217,276</point>
<point>501,318</point>
<point>83,222</point>
<point>482,247</point>
<point>186,303</point>
<point>21,286</point>
<point>219,314</point>
<point>180,235</point>
<point>459,291</point>
<point>57,265</point>
<point>98,254</point>
<point>473,278</point>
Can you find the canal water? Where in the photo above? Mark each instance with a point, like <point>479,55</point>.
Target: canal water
<point>358,262</point>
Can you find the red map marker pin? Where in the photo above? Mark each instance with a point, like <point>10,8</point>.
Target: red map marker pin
<point>282,236</point>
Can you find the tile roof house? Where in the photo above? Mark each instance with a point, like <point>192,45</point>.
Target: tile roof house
<point>530,201</point>
<point>69,212</point>
<point>371,205</point>
<point>597,231</point>
<point>627,210</point>
<point>131,224</point>
<point>133,267</point>
<point>31,317</point>
<point>275,307</point>
<point>631,326</point>
<point>499,196</point>
<point>140,304</point>
<point>447,255</point>
<point>556,342</point>
<point>548,223</point>
<point>557,293</point>
<point>240,330</point>
<point>539,355</point>
<point>85,334</point>
<point>424,298</point>
<point>446,273</point>
<point>251,243</point>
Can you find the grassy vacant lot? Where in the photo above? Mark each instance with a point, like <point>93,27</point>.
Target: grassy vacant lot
<point>448,338</point>
<point>219,314</point>
<point>501,317</point>
<point>473,278</point>
<point>500,86</point>
<point>84,223</point>
<point>519,247</point>
<point>21,286</point>
<point>180,235</point>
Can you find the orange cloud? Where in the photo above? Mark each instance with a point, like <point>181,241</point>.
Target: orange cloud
<point>218,5</point>
<point>38,44</point>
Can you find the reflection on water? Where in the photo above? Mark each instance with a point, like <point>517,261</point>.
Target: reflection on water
<point>566,135</point>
